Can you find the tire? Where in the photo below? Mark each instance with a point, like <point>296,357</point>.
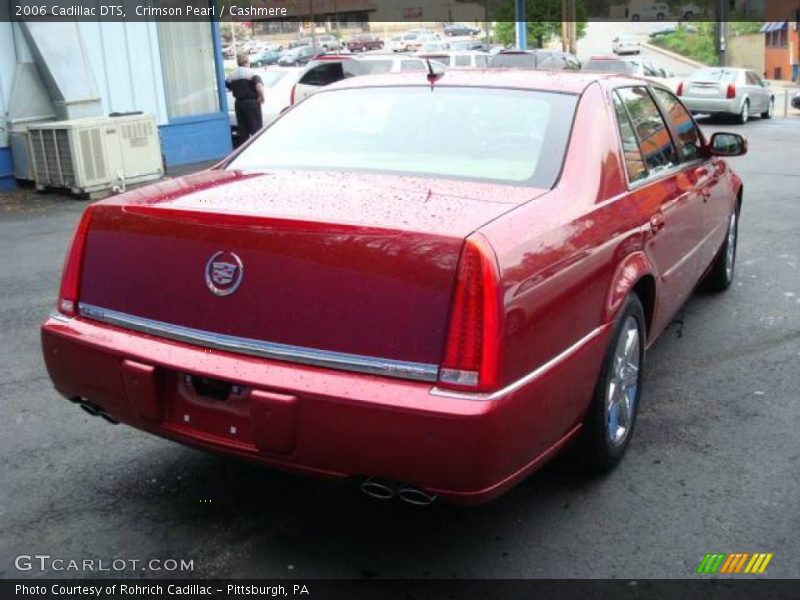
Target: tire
<point>635,17</point>
<point>688,16</point>
<point>770,109</point>
<point>744,116</point>
<point>720,277</point>
<point>660,17</point>
<point>608,427</point>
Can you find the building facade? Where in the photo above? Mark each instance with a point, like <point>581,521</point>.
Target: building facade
<point>782,50</point>
<point>172,70</point>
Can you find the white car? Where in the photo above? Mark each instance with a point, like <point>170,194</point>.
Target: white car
<point>326,70</point>
<point>626,44</point>
<point>279,82</point>
<point>465,59</point>
<point>396,43</point>
<point>649,11</point>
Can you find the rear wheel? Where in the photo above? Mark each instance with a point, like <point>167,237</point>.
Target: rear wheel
<point>744,116</point>
<point>610,420</point>
<point>720,277</point>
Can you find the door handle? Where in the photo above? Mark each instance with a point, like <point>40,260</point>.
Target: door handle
<point>657,223</point>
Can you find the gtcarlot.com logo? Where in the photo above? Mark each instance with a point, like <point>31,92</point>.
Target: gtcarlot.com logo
<point>46,562</point>
<point>734,563</point>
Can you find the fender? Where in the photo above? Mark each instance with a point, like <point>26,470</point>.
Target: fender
<point>627,274</point>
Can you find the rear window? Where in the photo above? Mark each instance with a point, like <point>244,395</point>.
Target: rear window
<point>522,60</point>
<point>714,75</point>
<point>502,135</point>
<point>610,66</point>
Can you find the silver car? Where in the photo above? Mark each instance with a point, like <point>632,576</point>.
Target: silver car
<point>728,91</point>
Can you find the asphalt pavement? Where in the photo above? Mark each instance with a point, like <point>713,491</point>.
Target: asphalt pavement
<point>713,466</point>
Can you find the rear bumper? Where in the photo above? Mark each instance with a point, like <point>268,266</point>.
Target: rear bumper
<point>318,421</point>
<point>713,105</point>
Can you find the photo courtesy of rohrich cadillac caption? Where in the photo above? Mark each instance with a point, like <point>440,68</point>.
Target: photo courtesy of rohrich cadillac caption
<point>399,299</point>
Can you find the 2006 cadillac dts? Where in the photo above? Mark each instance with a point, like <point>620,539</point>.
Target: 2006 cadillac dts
<point>431,287</point>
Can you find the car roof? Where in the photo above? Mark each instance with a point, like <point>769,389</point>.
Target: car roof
<point>569,82</point>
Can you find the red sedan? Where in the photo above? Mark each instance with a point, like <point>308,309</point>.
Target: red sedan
<point>435,291</point>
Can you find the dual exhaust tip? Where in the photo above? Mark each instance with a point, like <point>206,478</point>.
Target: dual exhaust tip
<point>386,489</point>
<point>93,409</point>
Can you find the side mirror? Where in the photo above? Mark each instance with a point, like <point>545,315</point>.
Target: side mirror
<point>728,144</point>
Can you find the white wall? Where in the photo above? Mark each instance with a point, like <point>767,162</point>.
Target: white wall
<point>125,61</point>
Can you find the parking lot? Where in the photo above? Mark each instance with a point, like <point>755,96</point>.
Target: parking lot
<point>713,466</point>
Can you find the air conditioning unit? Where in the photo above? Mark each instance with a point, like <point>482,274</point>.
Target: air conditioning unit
<point>95,154</point>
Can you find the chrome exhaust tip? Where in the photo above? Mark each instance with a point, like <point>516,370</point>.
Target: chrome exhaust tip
<point>416,496</point>
<point>381,489</point>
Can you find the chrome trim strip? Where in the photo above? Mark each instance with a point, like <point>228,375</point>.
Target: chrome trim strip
<point>285,352</point>
<point>57,316</point>
<point>512,387</point>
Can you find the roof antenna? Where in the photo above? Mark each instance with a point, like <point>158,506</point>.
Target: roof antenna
<point>433,76</point>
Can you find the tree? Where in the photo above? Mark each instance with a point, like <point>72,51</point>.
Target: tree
<point>543,21</point>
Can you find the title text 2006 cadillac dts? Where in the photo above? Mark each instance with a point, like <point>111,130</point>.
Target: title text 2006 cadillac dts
<point>433,288</point>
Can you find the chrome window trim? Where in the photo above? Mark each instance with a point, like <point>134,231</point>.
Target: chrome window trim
<point>272,350</point>
<point>526,379</point>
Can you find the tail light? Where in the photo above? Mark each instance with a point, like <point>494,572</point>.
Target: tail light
<point>472,352</point>
<point>679,91</point>
<point>291,96</point>
<point>73,265</point>
<point>731,91</point>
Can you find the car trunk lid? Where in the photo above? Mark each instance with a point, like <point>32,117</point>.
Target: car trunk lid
<point>328,262</point>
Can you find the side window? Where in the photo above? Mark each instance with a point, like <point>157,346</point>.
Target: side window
<point>462,60</point>
<point>651,131</point>
<point>690,142</point>
<point>634,163</point>
<point>481,61</point>
<point>412,65</point>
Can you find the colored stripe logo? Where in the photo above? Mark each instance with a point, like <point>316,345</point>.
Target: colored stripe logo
<point>736,562</point>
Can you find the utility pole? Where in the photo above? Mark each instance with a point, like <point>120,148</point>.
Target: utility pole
<point>565,25</point>
<point>521,24</point>
<point>722,32</point>
<point>569,27</point>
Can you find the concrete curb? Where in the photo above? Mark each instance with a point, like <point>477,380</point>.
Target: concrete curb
<point>674,55</point>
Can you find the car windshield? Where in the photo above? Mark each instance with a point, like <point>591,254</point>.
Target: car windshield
<point>373,67</point>
<point>502,135</point>
<point>714,75</point>
<point>611,66</point>
<point>522,59</point>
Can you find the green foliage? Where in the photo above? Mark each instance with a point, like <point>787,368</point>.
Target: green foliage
<point>697,45</point>
<point>543,21</point>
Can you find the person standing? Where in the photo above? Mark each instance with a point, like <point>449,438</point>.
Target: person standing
<point>248,90</point>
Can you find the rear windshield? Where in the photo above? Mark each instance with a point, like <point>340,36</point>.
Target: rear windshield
<point>714,75</point>
<point>513,60</point>
<point>501,135</point>
<point>610,66</point>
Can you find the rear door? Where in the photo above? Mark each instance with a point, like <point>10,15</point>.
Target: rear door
<point>661,187</point>
<point>757,91</point>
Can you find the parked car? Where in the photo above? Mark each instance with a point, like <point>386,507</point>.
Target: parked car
<point>468,45</point>
<point>535,59</point>
<point>728,91</point>
<point>459,59</point>
<point>434,46</point>
<point>298,56</point>
<point>796,101</point>
<point>461,29</point>
<point>264,59</point>
<point>299,42</point>
<point>664,30</point>
<point>649,11</point>
<point>279,82</point>
<point>632,66</point>
<point>414,41</point>
<point>314,296</point>
<point>626,44</point>
<point>396,43</point>
<point>328,42</point>
<point>328,69</point>
<point>363,42</point>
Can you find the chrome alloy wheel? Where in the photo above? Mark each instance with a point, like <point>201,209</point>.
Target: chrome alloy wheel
<point>623,383</point>
<point>730,247</point>
<point>744,116</point>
